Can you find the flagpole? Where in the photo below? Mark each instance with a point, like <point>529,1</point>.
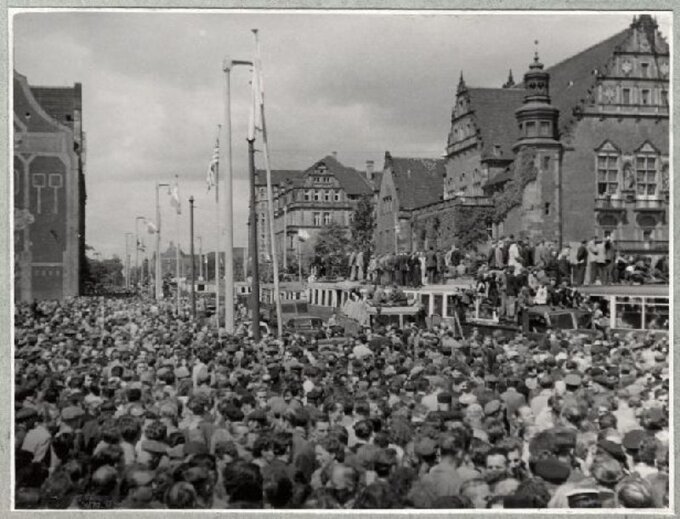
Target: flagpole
<point>218,230</point>
<point>255,293</point>
<point>177,231</point>
<point>228,201</point>
<point>217,252</point>
<point>270,197</point>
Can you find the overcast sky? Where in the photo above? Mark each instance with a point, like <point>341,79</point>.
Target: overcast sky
<point>355,83</point>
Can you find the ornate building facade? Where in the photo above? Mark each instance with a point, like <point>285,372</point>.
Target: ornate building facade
<point>49,191</point>
<point>309,200</point>
<point>577,149</point>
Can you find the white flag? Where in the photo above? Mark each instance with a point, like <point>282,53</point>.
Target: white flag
<point>174,197</point>
<point>214,165</point>
<point>254,121</point>
<point>303,235</point>
<point>151,227</point>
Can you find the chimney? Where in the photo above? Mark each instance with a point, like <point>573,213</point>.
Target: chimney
<point>335,155</point>
<point>369,169</point>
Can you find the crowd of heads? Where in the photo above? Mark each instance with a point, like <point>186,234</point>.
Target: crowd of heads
<point>123,404</point>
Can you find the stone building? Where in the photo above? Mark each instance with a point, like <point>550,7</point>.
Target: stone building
<point>280,177</point>
<point>577,149</point>
<point>406,185</point>
<point>308,200</point>
<point>49,191</point>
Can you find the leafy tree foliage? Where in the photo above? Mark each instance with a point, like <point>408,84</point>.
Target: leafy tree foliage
<point>363,224</point>
<point>331,249</point>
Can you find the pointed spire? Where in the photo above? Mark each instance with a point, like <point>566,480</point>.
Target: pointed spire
<point>536,65</point>
<point>510,82</point>
<point>461,83</point>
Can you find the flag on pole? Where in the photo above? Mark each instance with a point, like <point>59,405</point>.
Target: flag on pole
<point>213,167</point>
<point>303,235</point>
<point>150,226</point>
<point>174,197</point>
<point>254,121</point>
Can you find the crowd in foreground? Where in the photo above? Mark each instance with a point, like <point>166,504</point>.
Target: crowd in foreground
<point>121,404</point>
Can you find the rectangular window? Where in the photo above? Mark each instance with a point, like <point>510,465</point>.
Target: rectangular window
<point>546,163</point>
<point>626,96</point>
<point>337,196</point>
<point>327,196</point>
<point>327,218</point>
<point>546,209</point>
<point>308,195</point>
<point>545,128</point>
<point>317,195</point>
<point>646,175</point>
<point>644,69</point>
<point>531,129</point>
<point>317,219</point>
<point>644,97</point>
<point>607,174</point>
<point>664,98</point>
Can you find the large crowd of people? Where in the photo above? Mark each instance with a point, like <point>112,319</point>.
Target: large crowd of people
<point>122,404</point>
<point>594,261</point>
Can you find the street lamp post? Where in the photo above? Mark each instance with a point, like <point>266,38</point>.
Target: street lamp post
<point>200,257</point>
<point>228,64</point>
<point>159,285</point>
<point>138,276</point>
<point>127,260</point>
<point>193,266</point>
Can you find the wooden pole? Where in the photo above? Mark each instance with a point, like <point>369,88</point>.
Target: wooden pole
<point>270,196</point>
<point>254,257</point>
<point>193,263</point>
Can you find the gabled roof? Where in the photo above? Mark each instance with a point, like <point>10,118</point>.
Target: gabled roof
<point>377,180</point>
<point>494,112</point>
<point>419,182</point>
<point>352,181</point>
<point>279,176</point>
<point>59,102</point>
<point>571,79</point>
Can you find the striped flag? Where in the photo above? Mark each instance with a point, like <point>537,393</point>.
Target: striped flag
<point>213,167</point>
<point>174,197</point>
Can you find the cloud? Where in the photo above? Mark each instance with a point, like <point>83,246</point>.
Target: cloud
<point>358,84</point>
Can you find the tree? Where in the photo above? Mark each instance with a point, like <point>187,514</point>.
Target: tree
<point>363,224</point>
<point>103,275</point>
<point>331,248</point>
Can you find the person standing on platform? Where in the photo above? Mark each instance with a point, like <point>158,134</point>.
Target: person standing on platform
<point>431,265</point>
<point>359,262</point>
<point>580,265</point>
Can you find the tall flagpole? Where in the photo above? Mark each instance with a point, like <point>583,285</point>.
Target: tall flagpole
<point>177,273</point>
<point>159,284</point>
<point>254,257</point>
<point>270,197</point>
<point>228,200</point>
<point>218,240</point>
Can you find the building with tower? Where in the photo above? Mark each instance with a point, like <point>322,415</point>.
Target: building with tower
<point>49,191</point>
<point>576,149</point>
